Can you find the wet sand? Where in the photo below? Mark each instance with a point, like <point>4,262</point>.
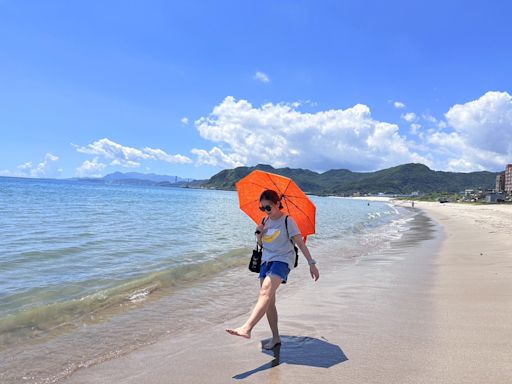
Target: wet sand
<point>434,308</point>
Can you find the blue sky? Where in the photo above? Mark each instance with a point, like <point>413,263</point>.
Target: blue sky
<point>190,88</point>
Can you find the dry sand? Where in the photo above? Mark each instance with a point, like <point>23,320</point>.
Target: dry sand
<point>472,294</point>
<point>425,311</point>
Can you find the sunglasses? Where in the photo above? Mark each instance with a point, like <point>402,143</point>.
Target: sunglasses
<point>267,208</point>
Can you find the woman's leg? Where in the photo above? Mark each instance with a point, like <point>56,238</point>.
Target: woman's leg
<point>272,321</point>
<point>272,316</point>
<point>267,292</point>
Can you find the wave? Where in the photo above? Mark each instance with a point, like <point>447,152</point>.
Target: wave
<point>43,321</point>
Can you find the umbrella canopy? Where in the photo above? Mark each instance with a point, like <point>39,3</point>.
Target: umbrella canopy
<point>295,202</point>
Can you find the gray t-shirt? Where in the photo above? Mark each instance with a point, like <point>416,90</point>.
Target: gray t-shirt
<point>276,243</point>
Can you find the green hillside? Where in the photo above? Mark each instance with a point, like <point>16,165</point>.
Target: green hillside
<point>402,179</point>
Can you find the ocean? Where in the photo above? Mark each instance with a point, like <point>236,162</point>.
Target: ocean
<point>91,271</point>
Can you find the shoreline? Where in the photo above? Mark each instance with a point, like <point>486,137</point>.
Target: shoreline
<point>472,294</point>
<point>435,307</point>
<point>114,332</point>
<point>352,310</point>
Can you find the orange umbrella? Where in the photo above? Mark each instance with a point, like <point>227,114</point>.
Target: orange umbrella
<point>295,202</point>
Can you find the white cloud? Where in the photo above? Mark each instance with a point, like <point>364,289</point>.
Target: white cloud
<point>485,123</point>
<point>49,157</point>
<point>27,165</point>
<point>128,157</point>
<point>260,76</point>
<point>463,165</point>
<point>410,117</point>
<point>415,128</point>
<point>281,135</point>
<point>126,163</point>
<point>471,136</point>
<point>120,155</point>
<point>184,120</point>
<point>159,154</point>
<point>399,105</point>
<point>447,145</point>
<point>480,136</point>
<point>442,124</point>
<point>431,119</point>
<point>42,169</point>
<point>215,157</point>
<point>43,166</point>
<point>90,168</point>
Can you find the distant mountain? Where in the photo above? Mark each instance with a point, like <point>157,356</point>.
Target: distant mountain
<point>402,179</point>
<point>150,179</point>
<point>142,176</point>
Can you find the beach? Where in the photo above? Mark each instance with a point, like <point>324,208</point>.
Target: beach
<point>439,312</point>
<point>356,155</point>
<point>131,269</point>
<point>472,294</point>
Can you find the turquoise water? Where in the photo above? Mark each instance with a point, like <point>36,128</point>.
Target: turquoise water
<point>73,251</point>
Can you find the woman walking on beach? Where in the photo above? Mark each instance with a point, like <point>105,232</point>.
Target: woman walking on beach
<point>278,259</point>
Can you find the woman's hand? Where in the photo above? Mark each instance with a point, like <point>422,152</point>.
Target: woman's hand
<point>314,272</point>
<point>259,232</point>
<point>305,251</point>
<point>259,229</point>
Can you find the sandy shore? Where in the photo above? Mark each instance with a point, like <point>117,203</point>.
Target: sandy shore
<point>472,294</point>
<point>425,311</point>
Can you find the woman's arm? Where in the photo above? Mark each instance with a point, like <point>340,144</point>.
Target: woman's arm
<point>305,251</point>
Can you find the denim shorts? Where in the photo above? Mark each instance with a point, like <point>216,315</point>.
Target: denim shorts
<point>278,268</point>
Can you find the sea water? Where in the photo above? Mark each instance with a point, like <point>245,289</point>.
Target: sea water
<point>90,271</point>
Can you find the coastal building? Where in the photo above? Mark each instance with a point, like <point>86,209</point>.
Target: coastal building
<point>508,179</point>
<point>495,198</point>
<point>500,183</point>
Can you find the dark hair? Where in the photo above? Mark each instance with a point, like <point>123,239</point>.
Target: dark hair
<point>272,196</point>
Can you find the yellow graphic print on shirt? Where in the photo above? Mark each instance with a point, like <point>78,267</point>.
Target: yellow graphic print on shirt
<point>271,235</point>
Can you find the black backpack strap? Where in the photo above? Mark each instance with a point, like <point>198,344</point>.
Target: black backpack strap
<point>257,245</point>
<point>294,246</point>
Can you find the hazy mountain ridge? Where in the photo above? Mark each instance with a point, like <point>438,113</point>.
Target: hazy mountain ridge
<point>143,176</point>
<point>148,179</point>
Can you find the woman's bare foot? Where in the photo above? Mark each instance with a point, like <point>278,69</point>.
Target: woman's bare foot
<point>272,343</point>
<point>240,332</point>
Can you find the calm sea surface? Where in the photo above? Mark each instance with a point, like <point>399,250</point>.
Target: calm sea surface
<point>76,254</point>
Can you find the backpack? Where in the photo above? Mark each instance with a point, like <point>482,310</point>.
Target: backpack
<point>294,246</point>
